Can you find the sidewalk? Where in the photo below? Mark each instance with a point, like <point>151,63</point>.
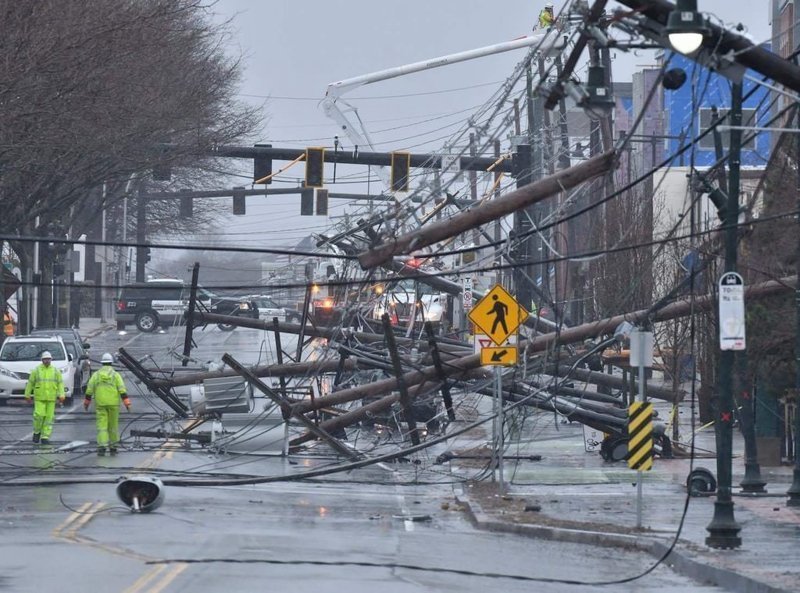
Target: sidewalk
<point>93,326</point>
<point>572,495</point>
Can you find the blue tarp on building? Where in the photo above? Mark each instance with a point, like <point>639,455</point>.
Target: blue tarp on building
<point>713,90</point>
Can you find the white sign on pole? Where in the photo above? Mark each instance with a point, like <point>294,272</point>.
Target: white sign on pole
<point>466,295</point>
<point>481,341</point>
<point>731,312</point>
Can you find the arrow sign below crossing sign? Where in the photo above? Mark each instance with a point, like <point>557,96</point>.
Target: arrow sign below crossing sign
<point>498,314</point>
<point>499,356</point>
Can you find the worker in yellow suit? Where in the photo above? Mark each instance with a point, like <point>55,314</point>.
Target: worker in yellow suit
<point>46,385</point>
<point>108,389</point>
<point>546,16</point>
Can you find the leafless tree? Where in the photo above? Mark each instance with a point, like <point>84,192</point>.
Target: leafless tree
<point>92,92</point>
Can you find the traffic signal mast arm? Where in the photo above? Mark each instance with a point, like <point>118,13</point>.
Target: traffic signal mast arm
<point>333,105</point>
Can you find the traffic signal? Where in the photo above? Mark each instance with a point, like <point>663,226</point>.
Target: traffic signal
<point>146,254</point>
<point>315,166</point>
<point>307,202</point>
<point>262,166</point>
<point>401,165</point>
<point>186,208</point>
<point>239,202</point>
<point>322,201</point>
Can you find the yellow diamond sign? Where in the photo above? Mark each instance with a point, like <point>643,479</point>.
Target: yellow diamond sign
<point>498,314</point>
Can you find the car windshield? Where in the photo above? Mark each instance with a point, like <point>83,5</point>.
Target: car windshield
<point>27,351</point>
<point>408,286</point>
<point>203,293</point>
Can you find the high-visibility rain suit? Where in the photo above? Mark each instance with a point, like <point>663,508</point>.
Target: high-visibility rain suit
<point>108,389</point>
<point>546,18</point>
<point>45,385</point>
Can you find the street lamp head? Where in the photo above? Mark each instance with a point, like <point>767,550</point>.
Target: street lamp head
<point>686,27</point>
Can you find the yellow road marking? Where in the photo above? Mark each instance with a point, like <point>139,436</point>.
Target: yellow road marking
<point>168,578</point>
<point>145,579</point>
<point>74,515</point>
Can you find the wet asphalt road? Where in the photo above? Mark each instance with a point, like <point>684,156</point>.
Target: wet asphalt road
<point>368,530</point>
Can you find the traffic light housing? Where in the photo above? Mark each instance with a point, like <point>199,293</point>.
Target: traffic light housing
<point>401,166</point>
<point>262,166</point>
<point>186,208</point>
<point>146,254</point>
<point>307,202</point>
<point>322,201</point>
<point>315,167</point>
<point>239,201</point>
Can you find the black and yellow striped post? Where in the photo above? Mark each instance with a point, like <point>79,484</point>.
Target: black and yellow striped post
<point>640,436</point>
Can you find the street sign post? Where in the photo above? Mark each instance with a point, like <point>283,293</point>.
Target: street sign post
<point>498,314</point>
<point>731,312</point>
<point>466,295</point>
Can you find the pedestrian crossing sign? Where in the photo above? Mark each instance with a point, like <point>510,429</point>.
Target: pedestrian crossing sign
<point>498,314</point>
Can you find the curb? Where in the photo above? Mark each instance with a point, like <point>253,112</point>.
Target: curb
<point>676,560</point>
<point>98,330</point>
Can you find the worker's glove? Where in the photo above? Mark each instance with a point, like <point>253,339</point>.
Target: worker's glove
<point>27,399</point>
<point>86,403</point>
<point>61,399</point>
<point>127,404</point>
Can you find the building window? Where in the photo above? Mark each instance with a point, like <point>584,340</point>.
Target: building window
<point>748,120</point>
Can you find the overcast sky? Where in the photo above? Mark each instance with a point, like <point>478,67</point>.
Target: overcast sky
<point>293,49</point>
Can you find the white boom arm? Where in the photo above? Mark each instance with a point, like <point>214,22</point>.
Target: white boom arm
<point>356,132</point>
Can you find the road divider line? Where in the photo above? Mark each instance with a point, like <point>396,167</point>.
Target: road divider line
<point>145,579</point>
<point>168,578</point>
<point>72,517</point>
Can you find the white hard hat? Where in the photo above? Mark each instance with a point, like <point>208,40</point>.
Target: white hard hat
<point>46,354</point>
<point>107,358</point>
<point>549,5</point>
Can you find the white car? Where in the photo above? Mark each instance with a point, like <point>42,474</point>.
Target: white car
<point>19,355</point>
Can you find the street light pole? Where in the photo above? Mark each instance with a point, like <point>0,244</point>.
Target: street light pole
<point>794,490</point>
<point>723,529</point>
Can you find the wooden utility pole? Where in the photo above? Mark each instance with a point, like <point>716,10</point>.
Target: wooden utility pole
<point>488,211</point>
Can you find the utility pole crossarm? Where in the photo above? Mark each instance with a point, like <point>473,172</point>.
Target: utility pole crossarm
<point>489,211</point>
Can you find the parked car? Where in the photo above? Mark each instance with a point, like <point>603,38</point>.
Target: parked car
<point>268,309</point>
<point>164,302</point>
<point>77,349</point>
<point>19,355</point>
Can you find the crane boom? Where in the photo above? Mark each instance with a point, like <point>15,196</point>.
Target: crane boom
<point>337,108</point>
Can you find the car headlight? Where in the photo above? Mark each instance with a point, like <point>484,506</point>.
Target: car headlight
<point>11,374</point>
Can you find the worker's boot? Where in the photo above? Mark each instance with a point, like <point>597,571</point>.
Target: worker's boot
<point>112,450</point>
<point>45,441</point>
<point>36,436</point>
<point>101,451</point>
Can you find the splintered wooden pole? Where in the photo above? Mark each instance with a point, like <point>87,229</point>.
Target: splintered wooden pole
<point>488,211</point>
<point>408,410</point>
<point>279,353</point>
<point>437,362</point>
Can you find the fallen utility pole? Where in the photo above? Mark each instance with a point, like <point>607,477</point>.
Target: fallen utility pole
<point>297,369</point>
<point>460,367</point>
<point>489,211</point>
<point>287,408</point>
